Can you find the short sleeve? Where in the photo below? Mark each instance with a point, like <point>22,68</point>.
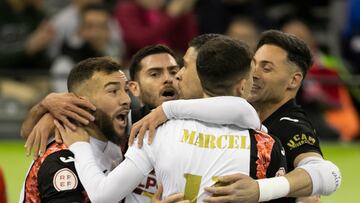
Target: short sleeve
<point>296,139</point>
<point>58,180</point>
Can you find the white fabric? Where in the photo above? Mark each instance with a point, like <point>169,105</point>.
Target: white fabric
<point>147,187</point>
<point>273,188</point>
<point>99,187</point>
<point>183,150</point>
<point>173,158</point>
<point>219,110</point>
<point>325,176</point>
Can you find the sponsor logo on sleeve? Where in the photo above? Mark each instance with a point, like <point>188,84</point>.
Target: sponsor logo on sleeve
<point>299,140</point>
<point>67,160</point>
<point>65,179</point>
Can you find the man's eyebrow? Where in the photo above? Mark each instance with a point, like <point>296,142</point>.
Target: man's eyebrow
<point>263,61</point>
<point>172,67</point>
<point>154,69</point>
<point>111,83</point>
<point>267,62</point>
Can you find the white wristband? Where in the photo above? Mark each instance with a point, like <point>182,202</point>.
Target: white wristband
<point>273,188</point>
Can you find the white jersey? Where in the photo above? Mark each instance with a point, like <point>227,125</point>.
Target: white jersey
<point>188,155</point>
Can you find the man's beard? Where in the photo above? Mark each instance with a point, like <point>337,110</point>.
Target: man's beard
<point>105,125</point>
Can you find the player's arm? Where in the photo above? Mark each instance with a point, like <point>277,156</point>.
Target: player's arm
<point>312,174</point>
<point>39,135</point>
<point>297,183</point>
<point>219,110</point>
<point>34,115</point>
<point>100,187</point>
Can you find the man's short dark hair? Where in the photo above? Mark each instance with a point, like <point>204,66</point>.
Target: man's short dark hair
<point>221,63</point>
<point>297,51</point>
<point>85,69</point>
<point>135,66</point>
<point>200,40</point>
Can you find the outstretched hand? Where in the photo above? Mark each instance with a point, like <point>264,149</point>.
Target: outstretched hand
<point>149,122</point>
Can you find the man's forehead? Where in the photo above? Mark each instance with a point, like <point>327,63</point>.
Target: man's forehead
<point>269,52</point>
<point>117,76</point>
<point>160,60</point>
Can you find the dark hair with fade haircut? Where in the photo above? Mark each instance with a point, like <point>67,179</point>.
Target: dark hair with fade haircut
<point>221,63</point>
<point>297,51</point>
<point>199,41</point>
<point>135,66</point>
<point>85,69</point>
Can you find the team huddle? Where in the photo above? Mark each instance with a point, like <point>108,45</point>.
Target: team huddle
<point>225,127</point>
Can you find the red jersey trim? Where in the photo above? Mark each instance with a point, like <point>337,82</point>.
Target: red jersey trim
<point>32,194</point>
<point>264,147</point>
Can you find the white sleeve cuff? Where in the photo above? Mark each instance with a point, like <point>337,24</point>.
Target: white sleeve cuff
<point>273,188</point>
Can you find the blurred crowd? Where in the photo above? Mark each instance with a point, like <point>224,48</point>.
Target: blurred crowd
<point>41,40</point>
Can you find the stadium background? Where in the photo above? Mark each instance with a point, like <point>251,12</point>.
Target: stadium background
<point>333,24</point>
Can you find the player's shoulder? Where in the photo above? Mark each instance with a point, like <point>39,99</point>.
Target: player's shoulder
<point>58,165</point>
<point>56,156</point>
<point>261,136</point>
<point>293,124</point>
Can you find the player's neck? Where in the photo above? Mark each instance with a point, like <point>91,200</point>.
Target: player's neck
<point>96,133</point>
<point>265,109</point>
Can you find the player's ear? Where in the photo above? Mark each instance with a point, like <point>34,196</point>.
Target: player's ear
<point>295,80</point>
<point>239,88</point>
<point>134,88</point>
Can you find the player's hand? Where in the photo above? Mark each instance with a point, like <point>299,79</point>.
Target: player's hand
<point>70,136</point>
<point>39,136</point>
<point>66,105</point>
<point>149,122</point>
<point>238,188</point>
<point>174,198</point>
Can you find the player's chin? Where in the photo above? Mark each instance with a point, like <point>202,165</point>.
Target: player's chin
<point>120,131</point>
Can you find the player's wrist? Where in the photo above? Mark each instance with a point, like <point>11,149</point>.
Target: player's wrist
<point>273,188</point>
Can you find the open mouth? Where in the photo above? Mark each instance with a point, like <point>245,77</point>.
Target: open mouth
<point>121,118</point>
<point>169,94</point>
